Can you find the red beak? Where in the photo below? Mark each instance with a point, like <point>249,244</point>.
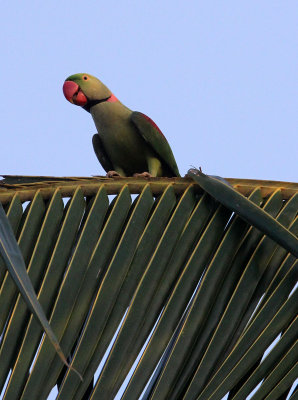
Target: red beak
<point>73,93</point>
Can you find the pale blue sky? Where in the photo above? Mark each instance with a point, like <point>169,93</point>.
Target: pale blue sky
<point>218,77</point>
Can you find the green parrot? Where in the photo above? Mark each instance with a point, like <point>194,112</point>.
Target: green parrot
<point>128,142</point>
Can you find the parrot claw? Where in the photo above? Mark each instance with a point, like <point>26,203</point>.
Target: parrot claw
<point>143,175</point>
<point>112,174</point>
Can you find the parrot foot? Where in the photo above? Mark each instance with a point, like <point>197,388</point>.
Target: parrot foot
<point>143,175</point>
<point>112,174</point>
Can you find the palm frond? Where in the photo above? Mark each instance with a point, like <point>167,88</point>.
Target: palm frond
<point>188,290</point>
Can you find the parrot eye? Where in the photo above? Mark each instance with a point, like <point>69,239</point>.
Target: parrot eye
<point>85,77</point>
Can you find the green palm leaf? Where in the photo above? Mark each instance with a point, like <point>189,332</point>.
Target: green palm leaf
<point>14,262</point>
<point>252,214</point>
<point>187,282</point>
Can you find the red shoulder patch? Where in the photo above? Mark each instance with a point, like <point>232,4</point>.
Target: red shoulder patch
<point>152,123</point>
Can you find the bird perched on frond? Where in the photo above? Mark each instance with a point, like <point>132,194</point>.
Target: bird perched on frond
<point>128,142</point>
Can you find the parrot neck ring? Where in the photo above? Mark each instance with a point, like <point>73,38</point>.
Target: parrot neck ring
<point>91,103</point>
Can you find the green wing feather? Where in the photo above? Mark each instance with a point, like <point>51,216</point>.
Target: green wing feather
<point>101,153</point>
<point>154,137</point>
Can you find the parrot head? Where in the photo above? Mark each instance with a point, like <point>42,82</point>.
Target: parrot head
<point>84,89</point>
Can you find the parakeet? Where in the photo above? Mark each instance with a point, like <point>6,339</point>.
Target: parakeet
<point>128,142</point>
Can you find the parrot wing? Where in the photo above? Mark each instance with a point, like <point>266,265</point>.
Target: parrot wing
<point>155,138</point>
<point>101,153</point>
